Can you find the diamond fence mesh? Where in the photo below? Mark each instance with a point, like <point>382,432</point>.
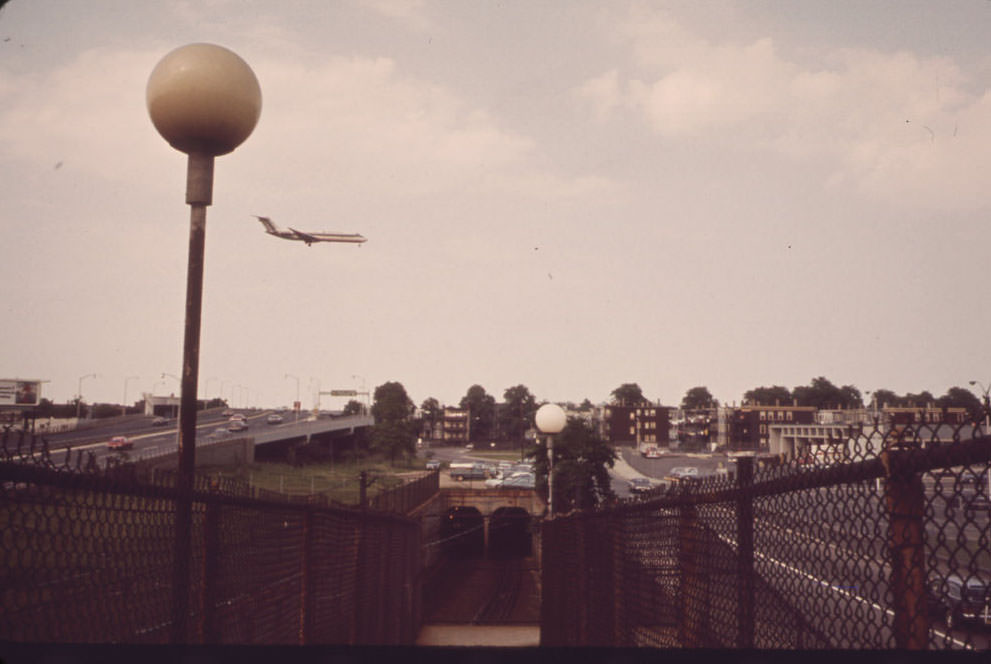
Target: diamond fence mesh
<point>884,546</point>
<point>87,556</point>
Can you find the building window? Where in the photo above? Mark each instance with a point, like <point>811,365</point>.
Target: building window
<point>633,431</point>
<point>789,416</point>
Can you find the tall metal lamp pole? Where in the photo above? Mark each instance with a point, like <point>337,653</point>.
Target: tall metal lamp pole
<point>550,419</point>
<point>205,101</point>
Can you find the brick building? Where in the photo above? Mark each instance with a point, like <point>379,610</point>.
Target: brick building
<point>646,424</point>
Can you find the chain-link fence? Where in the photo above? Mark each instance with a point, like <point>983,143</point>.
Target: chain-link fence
<point>87,556</point>
<point>884,543</point>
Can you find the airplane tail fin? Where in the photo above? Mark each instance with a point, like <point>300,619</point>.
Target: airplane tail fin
<point>267,223</point>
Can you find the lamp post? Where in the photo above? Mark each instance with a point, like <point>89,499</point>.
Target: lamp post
<point>79,403</point>
<point>205,101</point>
<point>123,407</point>
<point>987,405</point>
<point>296,403</point>
<point>550,419</point>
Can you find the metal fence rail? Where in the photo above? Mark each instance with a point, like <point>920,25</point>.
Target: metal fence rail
<point>87,557</point>
<point>888,548</point>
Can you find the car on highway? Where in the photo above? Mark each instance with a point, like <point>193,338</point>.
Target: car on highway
<point>640,485</point>
<point>651,452</point>
<point>469,447</point>
<point>160,421</point>
<point>227,412</point>
<point>433,464</point>
<point>274,418</point>
<point>120,443</point>
<point>236,425</point>
<point>960,600</point>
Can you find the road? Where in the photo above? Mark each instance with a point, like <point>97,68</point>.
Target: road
<point>150,441</point>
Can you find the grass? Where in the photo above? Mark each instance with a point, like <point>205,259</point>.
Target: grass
<point>337,481</point>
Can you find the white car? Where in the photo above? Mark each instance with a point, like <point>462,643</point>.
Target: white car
<point>685,471</point>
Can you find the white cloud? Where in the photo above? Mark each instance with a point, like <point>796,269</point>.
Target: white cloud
<point>410,12</point>
<point>882,122</point>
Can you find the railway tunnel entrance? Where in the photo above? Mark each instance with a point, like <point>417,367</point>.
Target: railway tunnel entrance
<point>487,573</point>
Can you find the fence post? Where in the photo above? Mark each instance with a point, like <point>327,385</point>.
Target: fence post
<point>904,501</point>
<point>745,553</point>
<point>210,571</point>
<point>306,583</point>
<point>691,589</point>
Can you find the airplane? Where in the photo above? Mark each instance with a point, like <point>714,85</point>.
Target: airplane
<point>309,238</point>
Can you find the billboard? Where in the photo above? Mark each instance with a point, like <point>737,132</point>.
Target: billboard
<point>20,393</point>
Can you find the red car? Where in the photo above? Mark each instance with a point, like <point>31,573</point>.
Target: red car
<point>120,443</point>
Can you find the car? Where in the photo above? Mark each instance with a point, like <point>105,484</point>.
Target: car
<point>684,472</point>
<point>524,481</point>
<point>236,425</point>
<point>496,482</point>
<point>433,464</point>
<point>274,418</point>
<point>160,421</point>
<point>227,412</point>
<point>468,471</point>
<point>469,447</point>
<point>238,416</point>
<point>959,600</point>
<point>971,504</point>
<point>640,485</point>
<point>120,443</point>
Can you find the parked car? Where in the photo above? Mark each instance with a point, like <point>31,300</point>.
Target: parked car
<point>467,471</point>
<point>958,600</point>
<point>274,418</point>
<point>496,482</point>
<point>433,464</point>
<point>682,472</point>
<point>971,504</point>
<point>640,485</point>
<point>526,481</point>
<point>120,443</point>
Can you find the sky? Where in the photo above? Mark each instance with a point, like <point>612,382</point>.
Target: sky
<point>565,195</point>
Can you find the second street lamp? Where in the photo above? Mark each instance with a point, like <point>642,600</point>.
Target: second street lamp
<point>550,419</point>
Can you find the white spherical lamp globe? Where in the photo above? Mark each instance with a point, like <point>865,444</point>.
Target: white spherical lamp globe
<point>203,99</point>
<point>550,418</point>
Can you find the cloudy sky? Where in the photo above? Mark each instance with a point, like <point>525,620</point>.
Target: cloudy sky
<point>568,195</point>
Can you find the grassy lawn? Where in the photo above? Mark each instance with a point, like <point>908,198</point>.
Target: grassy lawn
<point>338,481</point>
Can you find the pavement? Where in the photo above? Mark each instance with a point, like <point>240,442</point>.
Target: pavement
<point>507,636</point>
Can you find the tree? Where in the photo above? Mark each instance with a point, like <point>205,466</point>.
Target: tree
<point>432,412</point>
<point>581,467</point>
<point>822,394</point>
<point>698,398</point>
<point>353,407</point>
<point>628,394</point>
<point>393,433</point>
<point>959,397</point>
<point>517,414</point>
<point>768,396</point>
<point>481,412</point>
<point>881,398</point>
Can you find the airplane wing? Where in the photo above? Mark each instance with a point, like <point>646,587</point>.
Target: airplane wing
<point>305,237</point>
